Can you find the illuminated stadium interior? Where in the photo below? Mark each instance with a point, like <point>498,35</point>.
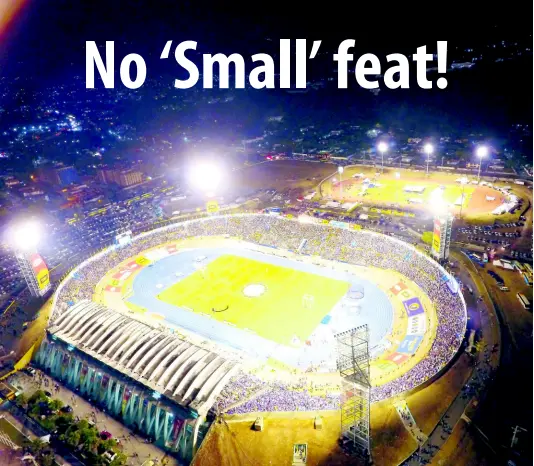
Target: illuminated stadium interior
<point>193,276</point>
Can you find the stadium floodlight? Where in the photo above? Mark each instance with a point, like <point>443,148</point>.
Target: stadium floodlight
<point>340,171</point>
<point>481,152</point>
<point>436,202</point>
<point>205,176</point>
<point>429,148</point>
<point>25,236</point>
<point>382,148</point>
<point>463,182</point>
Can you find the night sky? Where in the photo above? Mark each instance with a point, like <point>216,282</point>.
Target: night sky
<point>51,34</point>
<point>45,43</point>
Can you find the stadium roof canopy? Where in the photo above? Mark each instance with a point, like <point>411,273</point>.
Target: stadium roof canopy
<point>150,354</point>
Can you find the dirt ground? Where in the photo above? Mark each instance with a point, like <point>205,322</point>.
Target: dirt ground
<point>477,208</point>
<point>478,203</point>
<point>282,175</point>
<point>429,404</point>
<point>234,443</point>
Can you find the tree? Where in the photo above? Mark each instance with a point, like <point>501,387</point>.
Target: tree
<point>55,405</point>
<point>37,397</point>
<point>21,400</point>
<point>36,446</point>
<point>72,438</point>
<point>119,460</point>
<point>64,422</point>
<point>106,445</point>
<point>88,438</point>
<point>47,460</point>
<point>83,424</point>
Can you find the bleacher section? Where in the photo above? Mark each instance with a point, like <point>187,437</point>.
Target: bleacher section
<point>187,374</point>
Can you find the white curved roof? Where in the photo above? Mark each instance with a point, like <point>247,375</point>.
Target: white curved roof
<point>188,374</point>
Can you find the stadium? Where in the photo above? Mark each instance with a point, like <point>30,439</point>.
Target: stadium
<point>238,314</point>
<point>416,191</point>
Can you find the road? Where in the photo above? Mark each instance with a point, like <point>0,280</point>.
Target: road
<point>486,364</point>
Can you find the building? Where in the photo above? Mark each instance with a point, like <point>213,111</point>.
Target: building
<point>441,240</point>
<point>146,375</point>
<point>31,192</point>
<point>60,176</point>
<point>123,178</point>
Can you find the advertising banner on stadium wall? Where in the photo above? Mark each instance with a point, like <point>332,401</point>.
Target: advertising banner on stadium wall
<point>338,224</point>
<point>40,270</point>
<point>396,289</point>
<point>212,207</point>
<point>410,344</point>
<point>436,238</point>
<point>413,307</point>
<point>397,358</point>
<point>416,325</point>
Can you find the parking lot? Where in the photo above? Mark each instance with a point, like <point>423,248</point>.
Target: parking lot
<point>499,236</point>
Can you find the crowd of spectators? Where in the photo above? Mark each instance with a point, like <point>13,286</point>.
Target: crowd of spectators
<point>352,246</point>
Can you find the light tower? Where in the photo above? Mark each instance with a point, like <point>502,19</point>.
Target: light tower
<point>206,178</point>
<point>429,148</point>
<point>340,171</point>
<point>382,148</point>
<point>24,240</point>
<point>481,152</point>
<point>443,219</point>
<point>353,364</point>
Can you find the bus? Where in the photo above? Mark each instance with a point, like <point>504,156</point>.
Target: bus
<point>523,300</point>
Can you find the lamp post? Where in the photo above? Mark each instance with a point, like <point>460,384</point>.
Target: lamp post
<point>481,152</point>
<point>382,148</point>
<point>462,203</point>
<point>429,148</point>
<point>340,171</point>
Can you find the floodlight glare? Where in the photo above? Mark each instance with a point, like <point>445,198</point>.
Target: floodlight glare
<point>382,146</point>
<point>429,148</point>
<point>340,170</point>
<point>436,202</point>
<point>205,176</point>
<point>25,236</point>
<point>482,151</point>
